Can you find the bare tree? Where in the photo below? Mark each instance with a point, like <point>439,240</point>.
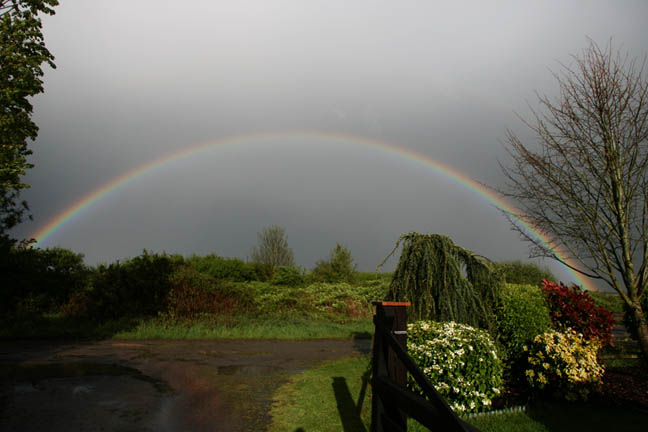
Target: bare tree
<point>584,183</point>
<point>273,249</point>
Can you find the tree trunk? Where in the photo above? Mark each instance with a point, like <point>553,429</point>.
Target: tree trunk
<point>642,329</point>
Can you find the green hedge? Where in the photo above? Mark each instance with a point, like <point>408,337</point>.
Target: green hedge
<point>526,273</point>
<point>523,315</point>
<point>231,269</point>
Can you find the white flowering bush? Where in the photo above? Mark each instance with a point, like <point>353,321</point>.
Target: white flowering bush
<point>460,361</point>
<point>564,363</point>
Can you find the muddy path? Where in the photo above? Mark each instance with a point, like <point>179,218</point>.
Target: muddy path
<point>152,385</point>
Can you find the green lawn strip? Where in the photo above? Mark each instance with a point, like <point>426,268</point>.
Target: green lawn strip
<point>241,327</point>
<point>261,328</point>
<point>324,399</point>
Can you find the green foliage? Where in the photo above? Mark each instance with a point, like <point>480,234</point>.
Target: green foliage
<point>338,268</point>
<point>273,250</point>
<point>335,301</point>
<point>288,276</point>
<point>22,52</point>
<point>194,295</point>
<point>231,269</point>
<point>522,316</point>
<point>461,362</point>
<point>430,276</point>
<point>565,364</point>
<point>524,273</point>
<point>39,280</point>
<point>136,287</point>
<point>609,301</point>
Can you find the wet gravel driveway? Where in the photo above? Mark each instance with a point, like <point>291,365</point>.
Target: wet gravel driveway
<point>152,385</point>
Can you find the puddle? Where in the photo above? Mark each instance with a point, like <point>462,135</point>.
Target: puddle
<point>38,372</point>
<point>248,370</point>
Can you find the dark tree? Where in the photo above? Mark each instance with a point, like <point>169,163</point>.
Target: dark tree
<point>273,249</point>
<point>583,182</point>
<point>339,267</point>
<point>22,52</point>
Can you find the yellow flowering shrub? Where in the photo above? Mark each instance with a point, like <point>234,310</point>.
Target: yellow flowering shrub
<point>564,363</point>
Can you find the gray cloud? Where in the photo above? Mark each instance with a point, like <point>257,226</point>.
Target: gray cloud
<point>137,80</point>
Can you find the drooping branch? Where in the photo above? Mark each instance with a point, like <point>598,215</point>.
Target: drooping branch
<point>445,282</point>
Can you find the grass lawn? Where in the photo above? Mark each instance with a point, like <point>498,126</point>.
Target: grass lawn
<point>336,397</point>
<point>278,327</point>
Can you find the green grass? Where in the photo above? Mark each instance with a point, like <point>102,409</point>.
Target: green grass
<point>610,301</point>
<point>250,328</point>
<point>56,326</point>
<point>333,397</point>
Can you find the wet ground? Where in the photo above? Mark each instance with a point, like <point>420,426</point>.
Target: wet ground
<point>152,385</point>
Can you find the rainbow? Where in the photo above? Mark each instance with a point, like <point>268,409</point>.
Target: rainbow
<point>86,201</point>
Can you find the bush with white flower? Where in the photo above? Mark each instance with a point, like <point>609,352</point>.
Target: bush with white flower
<point>460,361</point>
<point>564,363</point>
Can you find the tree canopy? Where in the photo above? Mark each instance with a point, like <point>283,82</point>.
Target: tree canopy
<point>22,53</point>
<point>339,267</point>
<point>583,182</point>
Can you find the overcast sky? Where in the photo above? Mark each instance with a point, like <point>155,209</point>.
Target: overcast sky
<point>136,80</point>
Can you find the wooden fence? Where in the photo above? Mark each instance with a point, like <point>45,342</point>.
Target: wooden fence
<point>392,402</point>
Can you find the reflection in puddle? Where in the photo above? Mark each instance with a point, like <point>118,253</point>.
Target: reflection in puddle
<point>37,372</point>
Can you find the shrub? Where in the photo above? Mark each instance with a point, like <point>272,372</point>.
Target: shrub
<point>231,269</point>
<point>518,272</point>
<point>573,308</point>
<point>194,295</point>
<point>135,287</point>
<point>340,300</point>
<point>39,280</point>
<point>461,362</point>
<point>565,364</point>
<point>288,276</point>
<point>338,268</point>
<point>522,315</point>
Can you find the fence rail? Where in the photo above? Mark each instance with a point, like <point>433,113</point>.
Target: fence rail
<point>392,402</point>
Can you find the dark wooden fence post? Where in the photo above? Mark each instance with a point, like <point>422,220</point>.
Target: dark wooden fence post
<point>392,315</point>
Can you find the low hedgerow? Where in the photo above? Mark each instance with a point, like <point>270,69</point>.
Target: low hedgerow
<point>564,364</point>
<point>460,361</point>
<point>524,273</point>
<point>523,314</point>
<point>194,295</point>
<point>231,269</point>
<point>288,276</point>
<point>576,309</point>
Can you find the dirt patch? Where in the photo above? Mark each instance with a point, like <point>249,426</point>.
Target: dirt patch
<point>156,385</point>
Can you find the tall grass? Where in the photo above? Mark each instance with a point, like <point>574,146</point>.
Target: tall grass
<point>250,328</point>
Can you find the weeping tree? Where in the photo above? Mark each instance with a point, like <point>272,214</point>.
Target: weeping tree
<point>445,282</point>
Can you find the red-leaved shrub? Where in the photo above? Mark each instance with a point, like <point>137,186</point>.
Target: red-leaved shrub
<point>576,309</point>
